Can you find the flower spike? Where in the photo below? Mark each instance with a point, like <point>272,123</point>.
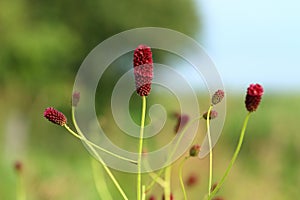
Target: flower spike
<point>253,97</point>
<point>55,116</point>
<point>217,97</point>
<point>143,69</point>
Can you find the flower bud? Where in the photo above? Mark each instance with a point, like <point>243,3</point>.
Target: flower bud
<point>182,120</point>
<point>143,69</point>
<point>194,150</point>
<point>171,197</point>
<point>213,187</point>
<point>18,166</point>
<point>213,114</point>
<point>152,197</point>
<point>217,97</point>
<point>253,97</point>
<point>192,180</point>
<point>55,116</point>
<point>75,98</point>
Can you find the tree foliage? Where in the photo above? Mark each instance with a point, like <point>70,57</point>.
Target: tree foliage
<point>44,42</point>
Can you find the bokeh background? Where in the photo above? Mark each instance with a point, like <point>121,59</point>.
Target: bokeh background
<point>42,44</point>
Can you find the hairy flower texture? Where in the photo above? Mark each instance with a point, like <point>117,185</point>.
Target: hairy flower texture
<point>213,114</point>
<point>192,180</point>
<point>55,116</point>
<point>253,97</point>
<point>143,69</point>
<point>217,97</point>
<point>182,120</point>
<point>194,150</point>
<point>75,98</point>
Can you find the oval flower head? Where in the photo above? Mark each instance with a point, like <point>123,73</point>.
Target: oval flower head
<point>217,97</point>
<point>143,69</point>
<point>55,116</point>
<point>253,97</point>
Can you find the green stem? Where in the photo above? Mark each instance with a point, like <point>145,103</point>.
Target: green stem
<point>181,178</point>
<point>20,187</point>
<point>143,192</point>
<point>157,179</point>
<point>238,148</point>
<point>153,175</point>
<point>210,150</point>
<point>139,176</point>
<point>98,157</point>
<point>100,183</point>
<point>96,146</point>
<point>172,153</point>
<point>167,188</point>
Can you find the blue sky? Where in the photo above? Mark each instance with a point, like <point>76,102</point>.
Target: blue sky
<point>253,41</point>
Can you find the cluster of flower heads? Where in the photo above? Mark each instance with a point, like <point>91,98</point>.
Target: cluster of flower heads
<point>143,73</point>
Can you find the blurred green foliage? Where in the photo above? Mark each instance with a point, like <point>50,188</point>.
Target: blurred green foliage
<point>267,167</point>
<point>44,42</point>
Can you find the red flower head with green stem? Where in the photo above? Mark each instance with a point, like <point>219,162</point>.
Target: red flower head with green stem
<point>143,69</point>
<point>143,74</point>
<point>253,97</point>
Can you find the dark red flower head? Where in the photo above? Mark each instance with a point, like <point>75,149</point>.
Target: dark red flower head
<point>75,98</point>
<point>143,69</point>
<point>152,197</point>
<point>194,150</point>
<point>192,180</point>
<point>55,116</point>
<point>171,197</point>
<point>217,97</point>
<point>253,97</point>
<point>18,166</point>
<point>182,120</point>
<point>213,114</point>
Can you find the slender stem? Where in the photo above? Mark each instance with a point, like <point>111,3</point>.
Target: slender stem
<point>181,178</point>
<point>20,187</point>
<point>139,176</point>
<point>98,157</point>
<point>172,153</point>
<point>238,148</point>
<point>143,192</point>
<point>210,149</point>
<point>100,183</point>
<point>153,175</point>
<point>96,146</point>
<point>157,179</point>
<point>167,188</point>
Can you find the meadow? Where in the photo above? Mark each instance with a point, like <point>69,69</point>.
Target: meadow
<point>57,166</point>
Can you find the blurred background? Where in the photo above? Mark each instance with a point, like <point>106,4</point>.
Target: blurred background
<point>42,44</point>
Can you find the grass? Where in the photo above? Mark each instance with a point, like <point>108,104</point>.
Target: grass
<point>57,166</point>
